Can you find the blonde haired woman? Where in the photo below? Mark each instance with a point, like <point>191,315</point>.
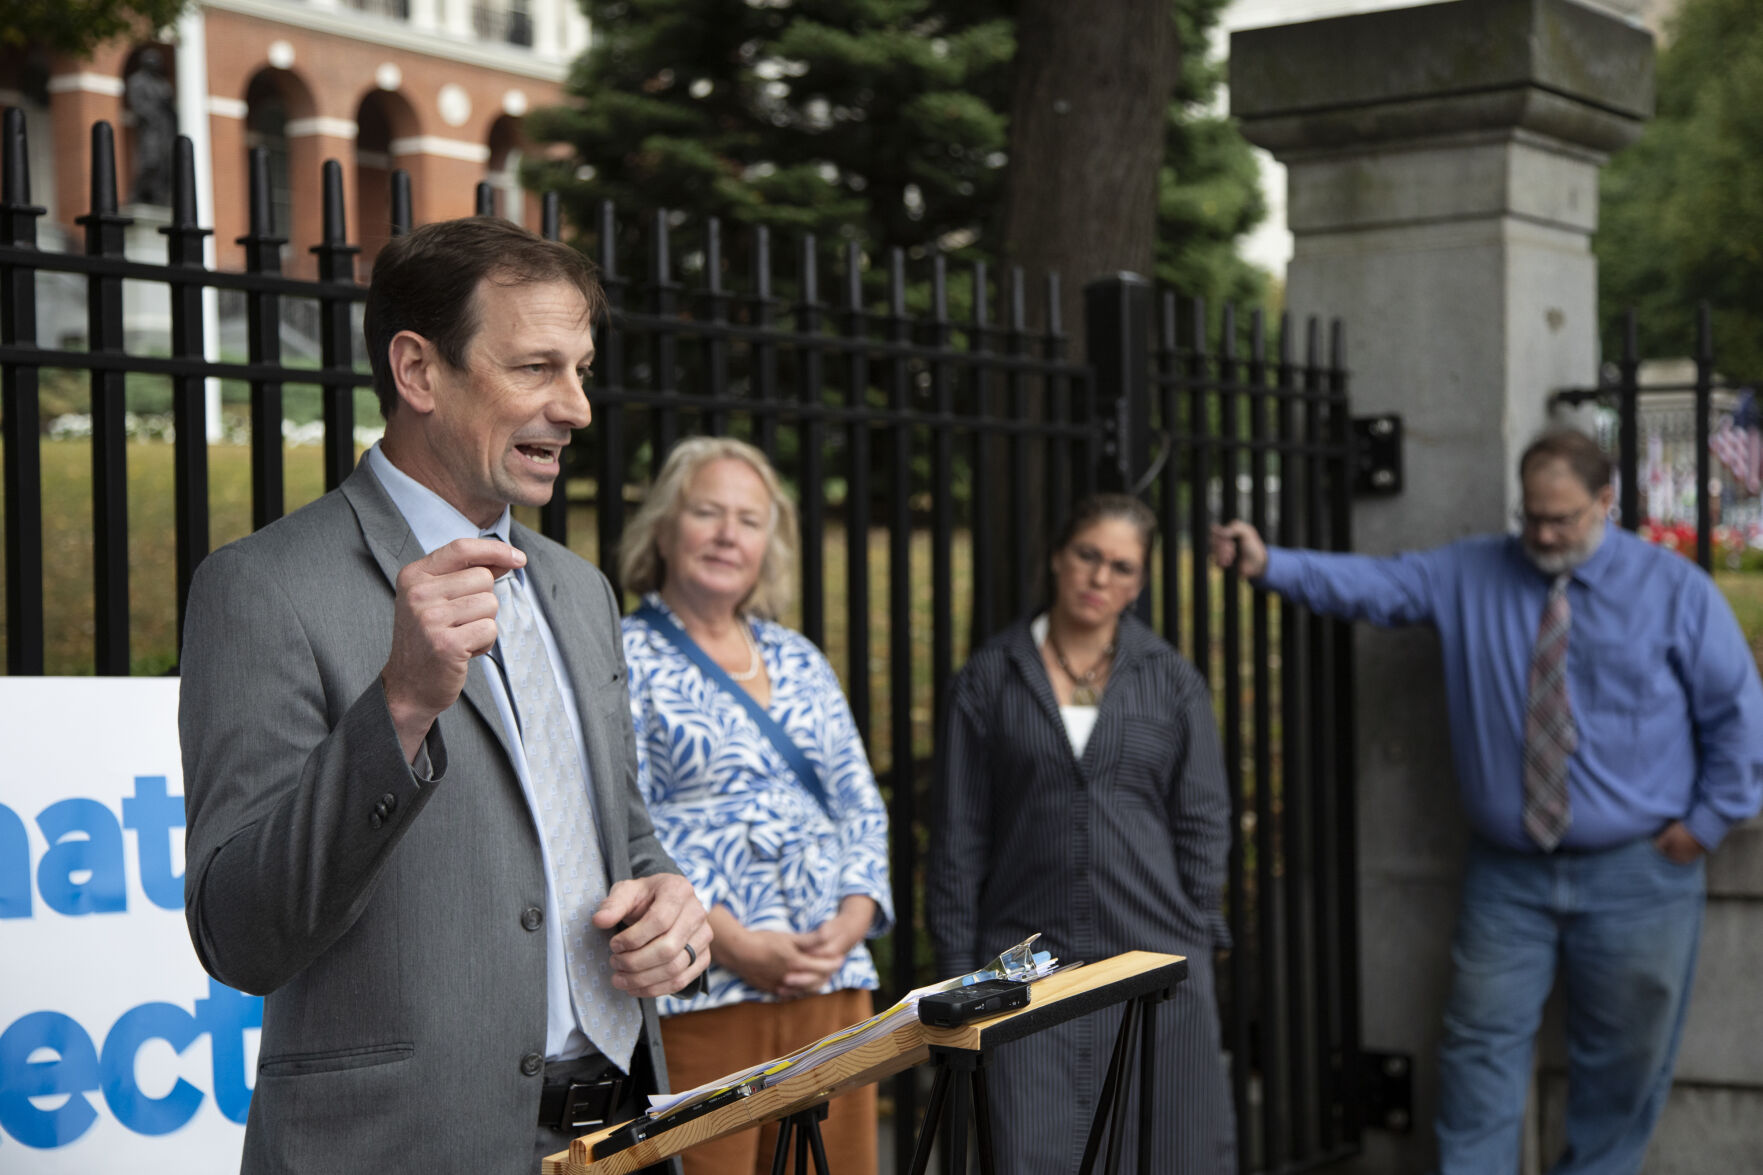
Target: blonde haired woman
<point>758,785</point>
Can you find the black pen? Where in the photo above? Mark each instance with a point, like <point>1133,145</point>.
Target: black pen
<point>638,1129</point>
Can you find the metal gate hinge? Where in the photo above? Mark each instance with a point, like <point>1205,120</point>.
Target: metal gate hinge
<point>1377,454</point>
<point>1386,1091</point>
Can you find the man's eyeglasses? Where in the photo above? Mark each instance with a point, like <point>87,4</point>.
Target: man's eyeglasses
<point>1534,522</point>
<point>1092,559</point>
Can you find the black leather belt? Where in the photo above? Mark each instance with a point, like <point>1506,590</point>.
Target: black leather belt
<point>571,1105</point>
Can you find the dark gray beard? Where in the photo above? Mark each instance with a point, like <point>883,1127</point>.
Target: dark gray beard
<point>1567,559</point>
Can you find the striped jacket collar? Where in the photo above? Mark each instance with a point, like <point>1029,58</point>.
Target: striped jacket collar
<point>1137,640</point>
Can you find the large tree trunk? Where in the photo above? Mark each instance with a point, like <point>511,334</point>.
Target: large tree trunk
<point>1093,82</point>
<point>1093,85</point>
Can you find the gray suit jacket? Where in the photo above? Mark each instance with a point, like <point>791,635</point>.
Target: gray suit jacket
<point>387,918</point>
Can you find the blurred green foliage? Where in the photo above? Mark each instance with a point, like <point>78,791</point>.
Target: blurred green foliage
<point>879,121</point>
<point>1681,219</point>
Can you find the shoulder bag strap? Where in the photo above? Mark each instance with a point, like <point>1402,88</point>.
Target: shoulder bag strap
<point>793,755</point>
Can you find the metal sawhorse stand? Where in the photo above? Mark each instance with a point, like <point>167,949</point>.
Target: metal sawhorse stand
<point>961,1079</point>
<point>805,1124</point>
<point>1138,979</point>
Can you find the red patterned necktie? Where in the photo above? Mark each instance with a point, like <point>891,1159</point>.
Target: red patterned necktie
<point>1550,735</point>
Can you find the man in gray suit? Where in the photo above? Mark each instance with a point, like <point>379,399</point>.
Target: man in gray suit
<point>456,908</point>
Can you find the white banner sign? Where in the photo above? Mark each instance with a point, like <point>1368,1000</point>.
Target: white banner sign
<point>117,1052</point>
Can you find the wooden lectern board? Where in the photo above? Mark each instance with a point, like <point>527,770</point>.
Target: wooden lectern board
<point>1063,995</point>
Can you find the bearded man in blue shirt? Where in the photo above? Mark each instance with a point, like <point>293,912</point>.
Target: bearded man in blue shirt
<point>1607,730</point>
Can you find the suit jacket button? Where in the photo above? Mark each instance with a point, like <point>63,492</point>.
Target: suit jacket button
<point>532,917</point>
<point>389,802</point>
<point>376,820</point>
<point>531,1064</point>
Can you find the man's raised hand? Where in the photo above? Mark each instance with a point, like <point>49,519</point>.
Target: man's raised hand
<point>1237,544</point>
<point>444,615</point>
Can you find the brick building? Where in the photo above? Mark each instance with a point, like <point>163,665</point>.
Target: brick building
<point>436,87</point>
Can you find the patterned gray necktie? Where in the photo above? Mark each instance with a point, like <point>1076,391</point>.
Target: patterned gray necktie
<point>1550,734</point>
<point>610,1017</point>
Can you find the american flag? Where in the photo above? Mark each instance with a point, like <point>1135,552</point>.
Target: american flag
<point>1738,442</point>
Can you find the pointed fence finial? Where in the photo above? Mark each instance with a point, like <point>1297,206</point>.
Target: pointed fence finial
<point>18,216</point>
<point>15,161</point>
<point>183,235</point>
<point>336,256</point>
<point>103,224</point>
<point>401,215</point>
<point>103,193</point>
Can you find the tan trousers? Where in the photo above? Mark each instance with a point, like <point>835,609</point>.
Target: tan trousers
<point>702,1046</point>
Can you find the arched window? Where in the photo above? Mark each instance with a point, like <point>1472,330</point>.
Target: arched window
<point>266,126</point>
<point>391,9</point>
<point>383,117</point>
<point>506,21</point>
<point>504,170</point>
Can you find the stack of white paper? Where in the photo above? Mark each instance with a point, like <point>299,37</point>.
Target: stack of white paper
<point>1020,962</point>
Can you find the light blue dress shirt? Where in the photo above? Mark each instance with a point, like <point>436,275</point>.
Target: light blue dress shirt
<point>435,523</point>
<point>1666,695</point>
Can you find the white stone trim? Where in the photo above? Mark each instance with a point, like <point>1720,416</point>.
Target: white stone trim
<point>456,17</point>
<point>336,128</point>
<point>192,103</point>
<point>547,26</point>
<point>445,148</point>
<point>227,107</point>
<point>444,47</point>
<point>91,83</point>
<point>578,32</point>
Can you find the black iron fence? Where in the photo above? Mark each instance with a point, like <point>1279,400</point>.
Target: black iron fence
<point>904,432</point>
<point>1660,425</point>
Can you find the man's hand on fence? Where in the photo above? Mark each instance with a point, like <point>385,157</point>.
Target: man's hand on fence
<point>1236,544</point>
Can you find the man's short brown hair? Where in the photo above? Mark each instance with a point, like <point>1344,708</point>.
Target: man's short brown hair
<point>426,282</point>
<point>1589,463</point>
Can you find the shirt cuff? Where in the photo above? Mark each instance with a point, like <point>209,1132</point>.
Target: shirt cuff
<point>1707,826</point>
<point>884,912</point>
<point>1275,577</point>
<point>429,767</point>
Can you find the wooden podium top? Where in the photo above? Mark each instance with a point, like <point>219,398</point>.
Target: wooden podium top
<point>1063,995</point>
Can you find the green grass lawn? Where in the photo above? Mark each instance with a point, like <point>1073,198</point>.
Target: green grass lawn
<point>1744,591</point>
<point>67,543</point>
<point>68,578</point>
<point>68,589</point>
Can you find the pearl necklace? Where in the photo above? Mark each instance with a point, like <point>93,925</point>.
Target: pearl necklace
<point>752,669</point>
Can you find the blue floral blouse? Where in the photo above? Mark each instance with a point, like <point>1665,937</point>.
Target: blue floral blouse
<point>744,830</point>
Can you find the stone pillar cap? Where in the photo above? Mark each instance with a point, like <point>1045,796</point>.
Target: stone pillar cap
<point>1553,67</point>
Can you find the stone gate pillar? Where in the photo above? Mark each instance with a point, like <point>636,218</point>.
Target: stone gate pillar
<point>1443,188</point>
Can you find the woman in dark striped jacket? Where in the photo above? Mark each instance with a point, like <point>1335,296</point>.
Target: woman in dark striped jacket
<point>1082,795</point>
